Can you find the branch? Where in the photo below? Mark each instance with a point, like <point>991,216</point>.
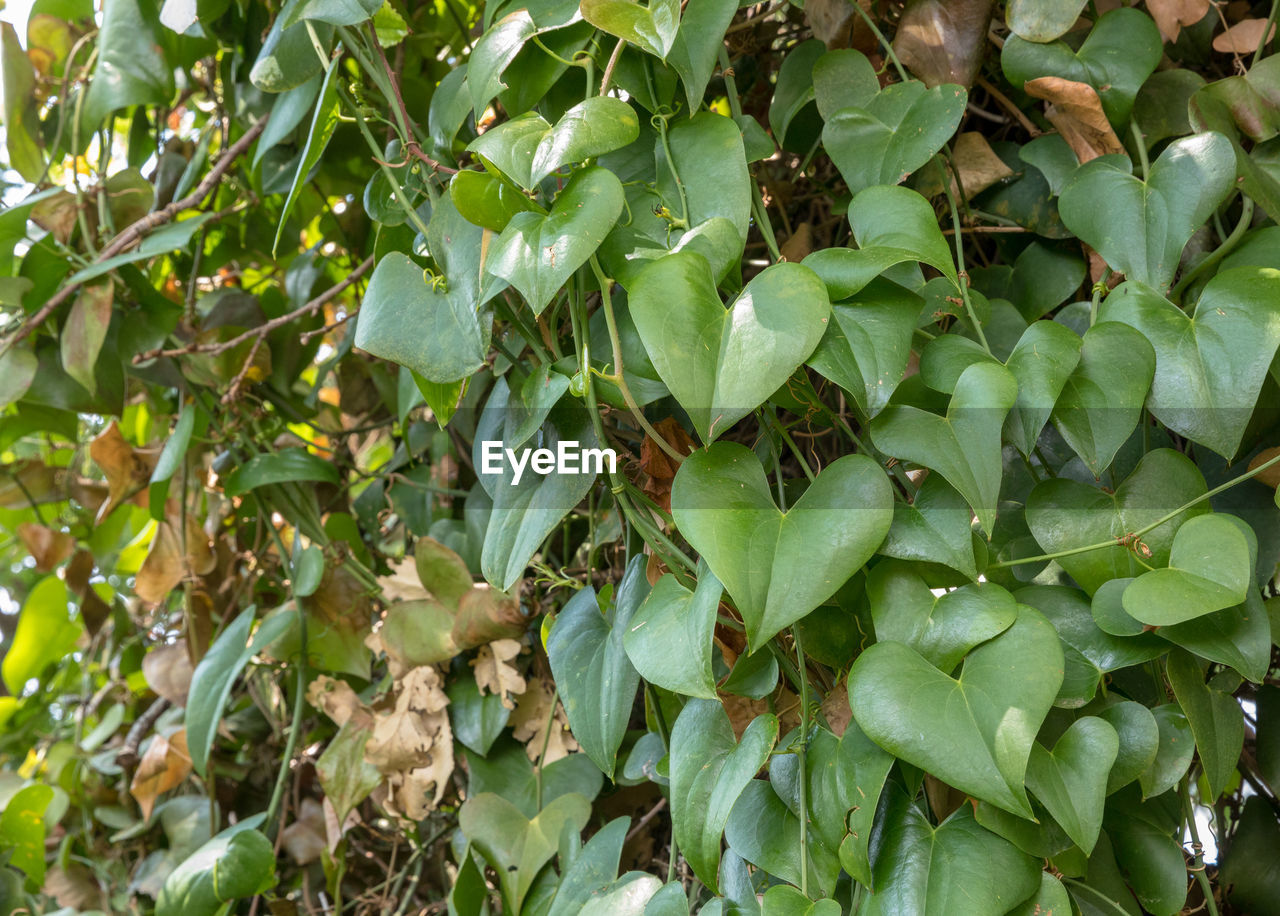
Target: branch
<point>264,329</point>
<point>134,233</point>
<point>410,144</point>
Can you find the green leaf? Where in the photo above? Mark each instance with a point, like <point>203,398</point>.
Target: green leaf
<point>628,896</point>
<point>595,679</point>
<point>345,775</point>
<point>1139,737</point>
<point>1209,366</point>
<point>171,458</point>
<point>213,678</point>
<point>1041,362</point>
<point>323,122</point>
<point>525,513</point>
<point>1101,401</point>
<point>1148,855</point>
<point>652,29</point>
<point>719,363</point>
<point>283,466</point>
<point>132,68</point>
<point>1071,780</point>
<point>1216,719</point>
<point>670,637</point>
<point>477,719</point>
<point>1240,636</point>
<point>1042,20</point>
<point>17,371</point>
<point>486,200</point>
<point>974,732</point>
<point>408,320</point>
<point>785,900</point>
<point>1051,900</point>
<point>896,133</point>
<point>591,128</point>
<point>1209,570</point>
<point>495,50</point>
<point>1066,515</point>
<point>956,867</point>
<point>237,863</point>
<point>963,446</point>
<point>699,38</point>
<point>23,829</point>
<point>708,773</point>
<point>286,114</point>
<point>942,628</point>
<point>861,770</point>
<point>334,12</point>
<point>891,225</point>
<point>510,146</point>
<point>48,629</point>
<point>765,830</point>
<point>536,254</point>
<point>594,869</point>
<point>514,845</point>
<point>707,151</point>
<point>866,349</point>
<point>779,566</point>
<point>1122,50</point>
<point>1173,753</point>
<point>1140,227</point>
<point>288,59</point>
<point>21,114</point>
<point>935,527</point>
<point>1252,878</point>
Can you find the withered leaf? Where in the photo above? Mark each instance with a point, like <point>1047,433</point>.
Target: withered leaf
<point>1075,109</point>
<point>163,767</point>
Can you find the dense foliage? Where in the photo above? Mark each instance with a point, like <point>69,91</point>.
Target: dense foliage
<point>937,344</point>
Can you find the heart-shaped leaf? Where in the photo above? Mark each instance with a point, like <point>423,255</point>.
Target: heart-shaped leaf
<point>957,867</point>
<point>1139,736</point>
<point>525,513</point>
<point>1102,399</point>
<point>891,225</point>
<point>942,628</point>
<point>963,446</point>
<point>720,363</point>
<point>1042,20</point>
<point>652,28</point>
<point>1174,751</point>
<point>779,566</point>
<point>514,845</point>
<point>599,125</point>
<point>436,328</point>
<point>510,146</point>
<point>1064,515</point>
<point>897,132</point>
<point>1240,637</point>
<point>1071,780</point>
<point>974,732</point>
<point>495,50</point>
<point>1041,363</point>
<point>935,527</point>
<point>1209,570</point>
<point>865,350</point>
<point>861,770</point>
<point>693,53</point>
<point>1209,367</point>
<point>487,200</point>
<point>1140,227</point>
<point>670,637</point>
<point>1122,50</point>
<point>536,254</point>
<point>596,681</point>
<point>709,770</point>
<point>765,830</point>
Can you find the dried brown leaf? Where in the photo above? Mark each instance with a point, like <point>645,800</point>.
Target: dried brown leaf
<point>338,701</point>
<point>1075,109</point>
<point>977,163</point>
<point>943,41</point>
<point>1172,15</point>
<point>1271,476</point>
<point>494,672</point>
<point>46,546</point>
<point>168,672</point>
<point>1243,37</point>
<point>165,566</point>
<point>305,839</point>
<point>529,724</point>
<point>163,767</point>
<point>127,469</point>
<point>402,584</point>
<point>413,745</point>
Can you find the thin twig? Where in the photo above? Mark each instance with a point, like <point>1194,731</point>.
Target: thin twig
<point>134,233</point>
<point>410,142</point>
<point>264,329</point>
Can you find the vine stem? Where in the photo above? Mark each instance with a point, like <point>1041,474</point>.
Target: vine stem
<point>757,200</point>
<point>959,244</point>
<point>1229,243</point>
<point>1197,851</point>
<point>1266,33</point>
<point>1045,557</point>
<point>800,753</point>
<point>606,300</point>
<point>884,42</point>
